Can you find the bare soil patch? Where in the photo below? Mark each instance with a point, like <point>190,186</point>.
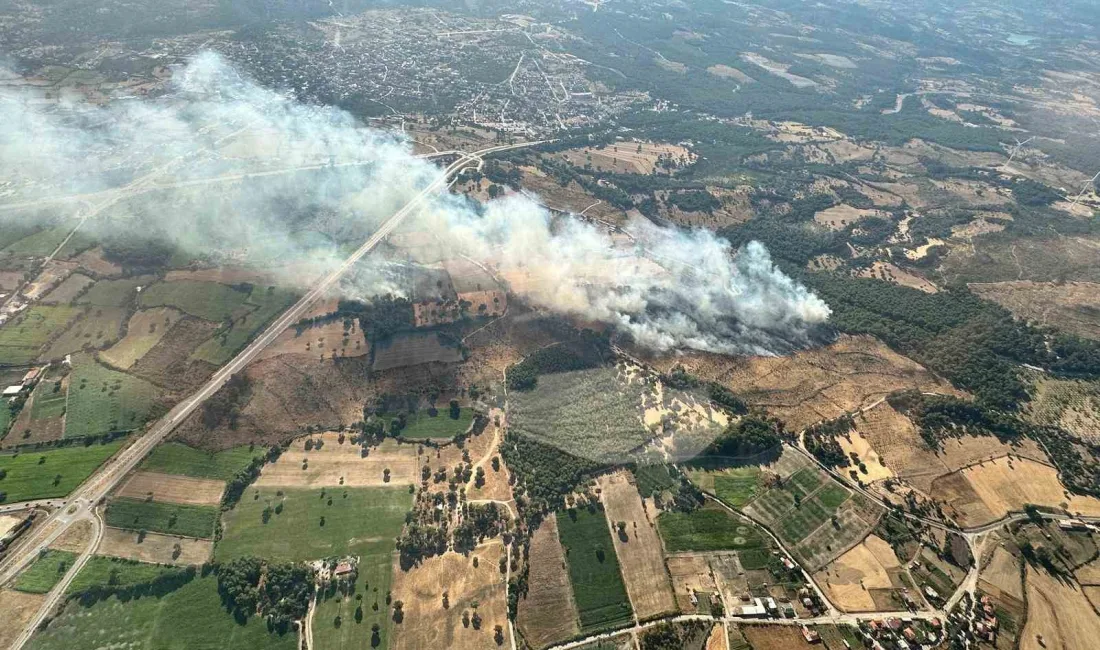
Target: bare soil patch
<point>155,548</point>
<point>1006,485</point>
<point>1059,615</point>
<point>841,216</point>
<point>1089,574</point>
<point>1002,577</point>
<point>775,637</point>
<point>7,522</point>
<point>322,339</point>
<point>76,538</point>
<point>168,362</point>
<point>547,613</point>
<point>1072,306</point>
<point>850,578</point>
<point>93,261</point>
<point>638,547</point>
<point>889,273</point>
<point>173,489</point>
<point>690,574</point>
<point>428,624</point>
<point>145,329</point>
<point>813,385</point>
<point>336,464</point>
<point>17,609</point>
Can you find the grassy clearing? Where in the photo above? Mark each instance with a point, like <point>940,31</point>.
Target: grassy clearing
<point>188,618</point>
<point>311,524</point>
<point>46,572</point>
<point>737,486</point>
<point>177,458</point>
<point>441,426</point>
<point>832,496</point>
<point>709,528</point>
<point>22,339</point>
<point>103,571</point>
<point>208,300</point>
<point>170,518</point>
<point>51,473</point>
<point>103,400</point>
<point>41,243</point>
<point>95,329</point>
<point>114,293</point>
<point>266,303</point>
<point>49,400</point>
<point>598,588</point>
<point>653,479</point>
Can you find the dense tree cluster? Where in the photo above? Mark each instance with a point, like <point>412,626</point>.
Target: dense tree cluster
<point>694,201</point>
<point>820,440</point>
<point>545,473</point>
<point>590,351</point>
<point>747,437</point>
<point>420,540</point>
<point>479,522</point>
<point>278,592</point>
<point>138,248</point>
<point>235,487</point>
<point>681,379</point>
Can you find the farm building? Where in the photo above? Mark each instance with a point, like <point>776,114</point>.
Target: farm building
<point>12,391</point>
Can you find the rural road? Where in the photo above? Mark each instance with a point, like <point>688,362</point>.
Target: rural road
<point>83,500</point>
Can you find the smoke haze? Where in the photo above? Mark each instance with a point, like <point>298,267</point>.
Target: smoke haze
<point>237,173</point>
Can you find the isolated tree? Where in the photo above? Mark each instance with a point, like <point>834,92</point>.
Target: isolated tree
<point>498,635</point>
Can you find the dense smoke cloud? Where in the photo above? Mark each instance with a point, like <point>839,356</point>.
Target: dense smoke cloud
<point>222,167</point>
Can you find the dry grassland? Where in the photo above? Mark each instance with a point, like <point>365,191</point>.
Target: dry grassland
<point>155,548</point>
<point>1093,594</point>
<point>841,216</point>
<point>718,639</point>
<point>335,462</point>
<point>16,610</point>
<point>690,573</point>
<point>496,487</point>
<point>1070,306</point>
<point>146,328</point>
<point>775,637</point>
<point>850,577</point>
<point>1001,578</point>
<point>173,489</point>
<point>1007,485</point>
<point>572,197</point>
<point>67,290</point>
<point>427,624</point>
<point>1059,615</point>
<point>727,72</point>
<point>625,157</point>
<point>75,539</point>
<point>1089,574</point>
<point>322,339</point>
<point>547,613</point>
<point>640,556</point>
<point>960,500</point>
<point>890,273</point>
<point>855,443</point>
<point>813,385</point>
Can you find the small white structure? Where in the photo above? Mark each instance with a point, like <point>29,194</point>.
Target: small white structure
<point>12,391</point>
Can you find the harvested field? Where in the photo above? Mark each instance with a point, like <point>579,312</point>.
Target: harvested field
<point>849,579</point>
<point>44,415</point>
<point>173,489</point>
<point>1001,577</point>
<point>1059,615</point>
<point>75,539</point>
<point>65,292</point>
<point>1007,485</point>
<point>335,464</point>
<point>1070,306</point>
<point>1093,594</point>
<point>470,590</point>
<point>841,216</point>
<point>1072,405</point>
<point>690,574</point>
<point>155,548</point>
<point>413,349</point>
<point>547,614</point>
<point>813,385</point>
<point>97,328</point>
<point>775,637</point>
<point>146,328</point>
<point>17,609</point>
<point>638,547</point>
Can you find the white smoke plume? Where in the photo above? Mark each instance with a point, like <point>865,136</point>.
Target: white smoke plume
<point>228,169</point>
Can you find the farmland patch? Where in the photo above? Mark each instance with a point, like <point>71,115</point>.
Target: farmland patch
<point>598,589</point>
<point>207,300</point>
<point>155,548</point>
<point>52,472</point>
<point>96,328</point>
<point>17,608</point>
<point>1006,485</point>
<point>1072,405</point>
<point>413,349</point>
<point>145,329</point>
<point>1059,614</point>
<point>709,528</point>
<point>24,336</point>
<point>158,517</point>
<point>176,458</point>
<point>173,489</point>
<point>47,571</point>
<point>1072,307</point>
<point>102,400</point>
<point>264,304</point>
<point>1002,577</point>
<point>546,614</point>
<point>335,464</point>
<point>115,293</point>
<point>65,292</point>
<point>851,578</point>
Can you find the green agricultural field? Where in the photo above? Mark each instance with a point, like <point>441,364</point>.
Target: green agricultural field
<point>102,400</point>
<point>710,528</point>
<point>97,328</point>
<point>189,618</point>
<point>49,400</point>
<point>46,572</point>
<point>22,339</point>
<point>598,588</point>
<point>41,243</point>
<point>804,481</point>
<point>804,519</point>
<point>5,420</point>
<point>208,300</point>
<point>14,232</point>
<point>441,426</point>
<point>103,571</point>
<point>653,479</point>
<point>177,458</point>
<point>832,496</point>
<point>294,531</point>
<point>51,472</point>
<point>365,522</point>
<point>266,303</point>
<point>155,516</point>
<point>114,293</point>
<point>737,486</point>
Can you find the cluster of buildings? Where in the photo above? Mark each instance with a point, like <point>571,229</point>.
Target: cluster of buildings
<point>23,387</point>
<point>901,633</point>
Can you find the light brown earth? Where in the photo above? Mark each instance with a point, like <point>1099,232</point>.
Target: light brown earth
<point>727,72</point>
<point>718,639</point>
<point>1071,306</point>
<point>52,274</point>
<point>496,485</point>
<point>173,489</point>
<point>7,522</point>
<point>1005,486</point>
<point>861,447</point>
<point>16,610</point>
<point>775,637</point>
<point>1001,577</point>
<point>145,329</point>
<point>1089,574</point>
<point>75,539</point>
<point>547,613</point>
<point>849,578</point>
<point>1059,616</point>
<point>640,556</point>
<point>890,273</point>
<point>690,573</point>
<point>327,338</point>
<point>43,429</point>
<point>155,548</point>
<point>334,462</point>
<point>427,624</point>
<point>625,157</point>
<point>92,261</point>
<point>1093,594</point>
<point>841,216</point>
<point>1072,405</point>
<point>813,385</point>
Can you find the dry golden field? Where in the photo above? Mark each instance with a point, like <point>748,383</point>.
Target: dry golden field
<point>155,548</point>
<point>1001,578</point>
<point>1071,306</point>
<point>173,488</point>
<point>849,579</point>
<point>547,614</point>
<point>690,573</point>
<point>342,464</point>
<point>146,328</point>
<point>16,610</point>
<point>1059,615</point>
<point>75,539</point>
